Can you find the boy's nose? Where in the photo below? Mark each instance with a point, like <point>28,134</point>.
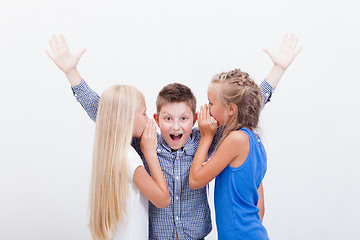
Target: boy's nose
<point>176,125</point>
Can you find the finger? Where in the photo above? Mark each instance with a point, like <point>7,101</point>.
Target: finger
<point>52,45</point>
<point>204,113</point>
<point>63,41</point>
<point>298,50</point>
<point>145,130</point>
<point>284,40</point>
<point>49,54</point>
<point>291,38</point>
<point>155,133</point>
<point>57,42</point>
<point>152,128</point>
<point>148,128</point>
<point>201,114</point>
<point>208,113</point>
<point>294,43</point>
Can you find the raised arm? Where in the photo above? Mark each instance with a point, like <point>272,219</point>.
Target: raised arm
<point>154,187</point>
<point>66,61</point>
<point>283,58</point>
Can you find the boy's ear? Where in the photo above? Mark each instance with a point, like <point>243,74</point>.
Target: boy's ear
<point>156,118</point>
<point>195,118</point>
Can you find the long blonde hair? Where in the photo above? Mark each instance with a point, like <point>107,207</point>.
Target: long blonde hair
<point>238,88</point>
<point>109,181</point>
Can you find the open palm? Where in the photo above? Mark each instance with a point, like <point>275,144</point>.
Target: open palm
<point>61,56</point>
<point>287,52</point>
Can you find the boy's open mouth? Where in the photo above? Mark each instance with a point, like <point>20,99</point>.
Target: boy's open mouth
<point>176,137</point>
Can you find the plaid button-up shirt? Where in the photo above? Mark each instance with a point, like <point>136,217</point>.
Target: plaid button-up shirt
<point>188,214</point>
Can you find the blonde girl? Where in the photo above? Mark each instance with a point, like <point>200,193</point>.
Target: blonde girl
<point>120,185</point>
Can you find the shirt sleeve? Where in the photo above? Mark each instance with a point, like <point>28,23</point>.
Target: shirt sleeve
<point>266,90</point>
<point>134,161</point>
<point>88,98</point>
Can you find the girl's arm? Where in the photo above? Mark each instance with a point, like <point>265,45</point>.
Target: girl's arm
<point>154,187</point>
<point>234,148</point>
<point>64,59</point>
<point>261,202</point>
<point>283,58</point>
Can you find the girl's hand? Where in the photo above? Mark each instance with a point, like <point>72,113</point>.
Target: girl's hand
<point>207,124</point>
<point>148,141</point>
<point>61,55</point>
<point>286,53</point>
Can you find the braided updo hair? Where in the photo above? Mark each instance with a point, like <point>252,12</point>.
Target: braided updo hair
<point>238,88</point>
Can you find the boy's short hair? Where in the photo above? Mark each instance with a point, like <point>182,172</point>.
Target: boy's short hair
<point>174,93</point>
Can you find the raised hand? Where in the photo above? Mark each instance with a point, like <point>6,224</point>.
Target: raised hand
<point>207,124</point>
<point>148,141</point>
<point>287,52</point>
<point>61,56</point>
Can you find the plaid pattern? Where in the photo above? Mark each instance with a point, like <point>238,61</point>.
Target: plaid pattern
<point>188,214</point>
<point>266,90</point>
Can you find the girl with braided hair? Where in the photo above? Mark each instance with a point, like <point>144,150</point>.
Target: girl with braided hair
<point>239,163</point>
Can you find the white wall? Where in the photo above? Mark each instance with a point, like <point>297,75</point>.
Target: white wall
<point>310,128</point>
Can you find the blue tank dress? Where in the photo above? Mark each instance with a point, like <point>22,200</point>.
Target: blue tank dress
<point>236,195</point>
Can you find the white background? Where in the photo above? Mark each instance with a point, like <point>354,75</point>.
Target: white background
<point>310,128</point>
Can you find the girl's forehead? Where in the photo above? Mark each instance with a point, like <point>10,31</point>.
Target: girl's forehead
<point>142,105</point>
<point>212,90</point>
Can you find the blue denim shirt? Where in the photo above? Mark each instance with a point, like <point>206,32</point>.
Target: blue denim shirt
<point>188,214</point>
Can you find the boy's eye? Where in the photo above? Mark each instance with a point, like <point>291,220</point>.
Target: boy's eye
<point>184,118</point>
<point>167,118</point>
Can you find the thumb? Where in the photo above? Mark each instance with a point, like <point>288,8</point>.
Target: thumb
<point>80,53</point>
<point>268,52</point>
<point>49,54</point>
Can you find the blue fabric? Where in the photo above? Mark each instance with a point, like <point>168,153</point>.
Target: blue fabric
<point>188,214</point>
<point>236,195</point>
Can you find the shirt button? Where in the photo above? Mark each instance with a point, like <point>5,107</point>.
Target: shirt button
<point>177,178</point>
<point>177,218</point>
<point>177,197</point>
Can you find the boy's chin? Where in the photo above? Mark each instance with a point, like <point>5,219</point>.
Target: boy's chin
<point>175,145</point>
